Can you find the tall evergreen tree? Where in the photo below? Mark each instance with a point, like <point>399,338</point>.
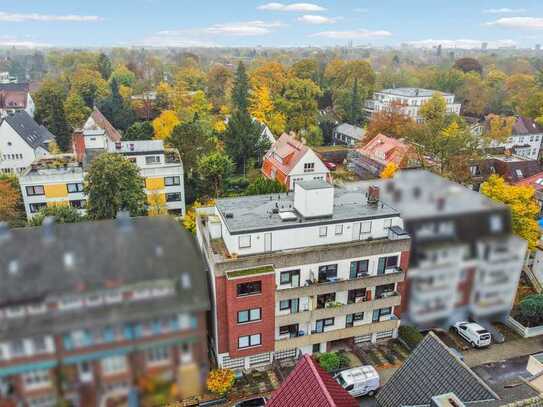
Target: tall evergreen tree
<point>240,93</point>
<point>356,105</point>
<point>104,66</point>
<point>117,111</point>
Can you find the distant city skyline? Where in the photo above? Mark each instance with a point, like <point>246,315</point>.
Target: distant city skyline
<point>247,23</point>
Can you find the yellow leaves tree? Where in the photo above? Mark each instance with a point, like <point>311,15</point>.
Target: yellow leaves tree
<point>9,200</point>
<point>270,74</point>
<point>389,171</point>
<point>220,381</point>
<point>499,127</point>
<point>263,110</point>
<point>157,204</point>
<point>164,124</point>
<point>196,103</point>
<point>521,200</point>
<point>76,110</point>
<point>189,220</point>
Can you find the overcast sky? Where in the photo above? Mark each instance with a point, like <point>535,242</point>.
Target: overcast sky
<point>464,23</point>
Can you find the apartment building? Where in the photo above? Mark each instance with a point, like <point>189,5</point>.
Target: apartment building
<point>59,180</point>
<point>465,262</point>
<point>301,272</point>
<point>289,161</point>
<point>407,101</point>
<point>87,309</point>
<point>22,141</point>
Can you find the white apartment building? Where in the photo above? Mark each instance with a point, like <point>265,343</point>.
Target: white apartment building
<point>58,180</point>
<point>22,141</point>
<point>302,272</point>
<point>408,101</point>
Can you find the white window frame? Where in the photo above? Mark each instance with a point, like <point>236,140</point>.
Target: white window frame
<point>113,365</point>
<point>36,379</point>
<point>244,244</point>
<point>323,231</point>
<point>338,230</point>
<point>250,341</point>
<point>365,227</point>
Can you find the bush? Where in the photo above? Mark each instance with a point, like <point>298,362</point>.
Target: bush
<point>61,213</point>
<point>220,381</point>
<point>410,335</point>
<point>331,361</point>
<point>262,185</point>
<point>531,309</point>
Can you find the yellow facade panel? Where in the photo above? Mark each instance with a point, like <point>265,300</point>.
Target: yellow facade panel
<point>56,191</point>
<point>58,203</point>
<point>154,184</point>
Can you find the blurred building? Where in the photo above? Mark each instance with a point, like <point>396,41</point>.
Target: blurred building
<point>512,168</point>
<point>58,180</point>
<point>289,161</point>
<point>372,158</point>
<point>407,101</point>
<point>465,262</point>
<point>88,308</point>
<point>15,97</point>
<point>301,272</point>
<point>22,141</point>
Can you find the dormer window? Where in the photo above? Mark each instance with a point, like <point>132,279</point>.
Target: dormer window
<point>309,167</point>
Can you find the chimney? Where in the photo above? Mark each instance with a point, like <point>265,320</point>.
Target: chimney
<point>373,195</point>
<point>48,228</point>
<point>124,222</point>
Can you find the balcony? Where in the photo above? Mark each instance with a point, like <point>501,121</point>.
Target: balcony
<point>314,288</point>
<point>344,309</point>
<point>336,334</point>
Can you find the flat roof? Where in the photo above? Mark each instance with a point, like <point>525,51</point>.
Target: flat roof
<point>256,213</point>
<point>412,92</point>
<point>314,184</point>
<point>415,193</point>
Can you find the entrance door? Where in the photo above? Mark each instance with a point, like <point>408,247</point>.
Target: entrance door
<point>85,372</point>
<point>267,242</point>
<point>356,231</point>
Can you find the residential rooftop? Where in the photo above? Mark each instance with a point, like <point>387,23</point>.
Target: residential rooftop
<point>54,165</point>
<point>137,146</point>
<point>412,92</point>
<point>263,212</point>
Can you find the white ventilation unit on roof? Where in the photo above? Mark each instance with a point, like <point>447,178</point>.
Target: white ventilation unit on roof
<point>288,215</point>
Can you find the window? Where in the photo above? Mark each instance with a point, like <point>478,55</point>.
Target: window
<point>323,231</point>
<point>290,277</point>
<point>359,268</point>
<point>152,159</point>
<point>17,348</point>
<point>339,230</point>
<point>169,181</point>
<point>293,305</point>
<point>496,223</point>
<point>36,207</point>
<point>249,340</point>
<point>73,188</point>
<point>327,273</point>
<point>40,345</point>
<point>386,263</point>
<point>351,318</point>
<point>244,242</point>
<point>387,223</point>
<point>158,355</point>
<point>378,313</point>
<point>291,330</point>
<point>251,288</point>
<point>35,190</point>
<point>365,227</point>
<point>309,167</point>
<point>249,315</point>
<point>36,378</point>
<point>519,173</point>
<point>356,295</point>
<point>78,203</point>
<point>324,299</point>
<point>113,365</point>
<point>173,197</point>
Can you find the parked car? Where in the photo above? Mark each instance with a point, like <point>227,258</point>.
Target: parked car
<point>359,381</point>
<point>254,402</point>
<point>473,333</point>
<point>331,166</point>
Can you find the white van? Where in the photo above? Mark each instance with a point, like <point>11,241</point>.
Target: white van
<point>474,333</point>
<point>359,381</point>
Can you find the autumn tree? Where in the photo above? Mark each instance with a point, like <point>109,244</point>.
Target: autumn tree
<point>305,69</point>
<point>156,204</point>
<point>469,65</point>
<point>191,78</point>
<point>519,87</point>
<point>89,85</point>
<point>299,103</point>
<point>76,110</point>
<point>113,184</point>
<point>499,128</point>
<point>219,84</point>
<point>262,109</point>
<point>389,171</point>
<point>214,168</point>
<point>272,75</point>
<point>104,66</point>
<point>10,200</point>
<point>390,122</point>
<point>164,124</point>
<point>123,76</point>
<point>474,95</point>
<point>49,100</point>
<point>192,142</point>
<point>434,111</point>
<point>139,131</point>
<point>524,207</point>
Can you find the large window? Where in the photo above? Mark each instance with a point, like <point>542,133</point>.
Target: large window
<point>290,277</point>
<point>35,190</point>
<point>249,340</point>
<point>76,187</point>
<point>356,295</point>
<point>309,167</point>
<point>359,268</point>
<point>327,273</point>
<point>78,203</point>
<point>36,207</point>
<point>36,378</point>
<point>324,299</point>
<point>386,263</point>
<point>173,197</point>
<point>249,315</point>
<point>158,355</point>
<point>170,181</point>
<point>113,365</point>
<point>323,231</point>
<point>293,305</point>
<point>253,287</point>
<point>351,318</point>
<point>152,159</point>
<point>378,313</point>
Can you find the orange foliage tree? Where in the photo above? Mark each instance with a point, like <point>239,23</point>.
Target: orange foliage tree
<point>220,381</point>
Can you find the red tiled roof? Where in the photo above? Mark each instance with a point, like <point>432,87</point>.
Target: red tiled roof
<point>101,121</point>
<point>285,153</point>
<point>535,181</point>
<point>308,385</point>
<point>385,150</point>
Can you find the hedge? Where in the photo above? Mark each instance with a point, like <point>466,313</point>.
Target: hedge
<point>410,335</point>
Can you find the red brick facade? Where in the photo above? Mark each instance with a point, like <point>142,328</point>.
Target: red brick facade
<point>228,306</point>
